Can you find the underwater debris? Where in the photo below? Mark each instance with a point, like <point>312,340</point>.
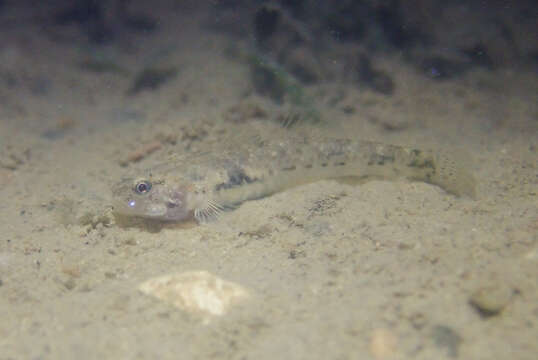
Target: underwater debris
<point>151,79</point>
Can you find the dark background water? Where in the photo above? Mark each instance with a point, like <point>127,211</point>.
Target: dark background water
<point>442,38</point>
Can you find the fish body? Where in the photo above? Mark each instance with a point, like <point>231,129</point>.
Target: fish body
<point>202,186</point>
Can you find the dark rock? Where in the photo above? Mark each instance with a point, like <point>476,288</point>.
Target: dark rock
<point>151,79</point>
<point>90,16</point>
<point>346,20</point>
<point>393,23</point>
<point>265,23</point>
<point>445,337</point>
<point>267,82</point>
<point>377,80</point>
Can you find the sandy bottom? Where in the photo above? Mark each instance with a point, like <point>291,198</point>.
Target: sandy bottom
<point>380,270</point>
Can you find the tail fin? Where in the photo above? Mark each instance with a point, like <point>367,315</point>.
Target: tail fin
<point>452,173</point>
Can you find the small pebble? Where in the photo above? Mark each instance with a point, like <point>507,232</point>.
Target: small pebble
<point>491,300</point>
<point>382,343</point>
<point>197,292</point>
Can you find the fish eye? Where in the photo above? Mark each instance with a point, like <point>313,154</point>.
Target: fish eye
<point>142,187</point>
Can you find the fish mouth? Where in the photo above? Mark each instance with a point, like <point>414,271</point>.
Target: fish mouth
<point>120,207</point>
<point>130,207</point>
